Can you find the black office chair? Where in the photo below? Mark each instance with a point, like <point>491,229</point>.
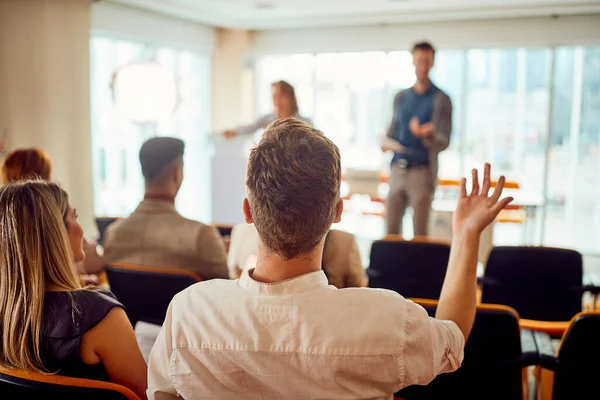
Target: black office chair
<point>102,223</point>
<point>147,291</point>
<point>18,384</point>
<point>575,365</point>
<point>412,268</point>
<point>224,230</point>
<point>496,356</point>
<point>541,283</point>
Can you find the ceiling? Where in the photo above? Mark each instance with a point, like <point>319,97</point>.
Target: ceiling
<point>274,14</point>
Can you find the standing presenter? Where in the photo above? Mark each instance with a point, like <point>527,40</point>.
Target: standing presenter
<point>419,131</point>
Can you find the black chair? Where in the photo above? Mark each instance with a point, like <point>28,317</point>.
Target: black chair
<point>147,291</point>
<point>496,356</point>
<point>102,223</point>
<point>224,230</point>
<point>17,384</point>
<point>541,283</point>
<point>412,268</point>
<point>575,365</point>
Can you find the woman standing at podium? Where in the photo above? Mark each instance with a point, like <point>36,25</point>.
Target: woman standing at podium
<point>285,105</point>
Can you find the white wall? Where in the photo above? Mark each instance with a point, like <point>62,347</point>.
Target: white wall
<point>516,32</point>
<point>45,89</point>
<point>110,19</point>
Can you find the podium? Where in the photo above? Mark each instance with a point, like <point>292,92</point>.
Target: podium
<point>228,178</point>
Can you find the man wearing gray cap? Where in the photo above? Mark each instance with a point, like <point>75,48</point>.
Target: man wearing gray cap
<point>155,234</point>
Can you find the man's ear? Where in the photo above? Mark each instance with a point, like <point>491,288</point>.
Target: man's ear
<point>339,209</point>
<point>247,211</point>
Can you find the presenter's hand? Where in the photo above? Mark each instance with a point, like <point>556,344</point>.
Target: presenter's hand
<point>415,126</point>
<point>426,130</point>
<point>476,211</point>
<point>228,134</point>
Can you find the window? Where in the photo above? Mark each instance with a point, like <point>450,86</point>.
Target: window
<point>573,211</point>
<point>506,121</point>
<point>119,129</point>
<point>504,112</point>
<point>349,96</point>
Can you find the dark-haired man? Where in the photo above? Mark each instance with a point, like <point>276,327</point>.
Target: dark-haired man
<point>420,129</point>
<point>155,234</point>
<point>281,331</point>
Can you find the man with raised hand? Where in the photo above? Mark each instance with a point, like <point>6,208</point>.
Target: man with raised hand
<point>281,331</point>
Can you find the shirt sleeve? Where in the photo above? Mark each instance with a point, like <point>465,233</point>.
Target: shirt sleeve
<point>234,265</point>
<point>357,276</point>
<point>442,121</point>
<point>391,132</point>
<point>212,261</point>
<point>160,383</point>
<point>249,129</point>
<point>432,346</point>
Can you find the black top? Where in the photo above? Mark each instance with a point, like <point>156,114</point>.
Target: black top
<point>67,316</point>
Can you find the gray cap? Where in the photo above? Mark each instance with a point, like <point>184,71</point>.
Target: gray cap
<point>157,153</point>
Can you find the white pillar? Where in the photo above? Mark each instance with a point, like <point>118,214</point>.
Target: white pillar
<point>45,89</point>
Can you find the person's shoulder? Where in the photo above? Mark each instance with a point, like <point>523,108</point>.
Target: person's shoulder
<point>338,235</point>
<point>95,300</point>
<point>440,94</point>
<point>243,230</point>
<point>338,241</point>
<point>371,298</point>
<point>403,93</point>
<point>75,312</point>
<point>202,294</point>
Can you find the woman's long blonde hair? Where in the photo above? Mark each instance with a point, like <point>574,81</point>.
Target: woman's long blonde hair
<point>34,252</point>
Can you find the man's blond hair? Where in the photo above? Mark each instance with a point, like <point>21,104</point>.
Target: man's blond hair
<point>293,183</point>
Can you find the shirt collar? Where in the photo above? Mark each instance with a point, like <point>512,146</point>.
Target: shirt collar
<point>302,283</point>
<point>160,197</point>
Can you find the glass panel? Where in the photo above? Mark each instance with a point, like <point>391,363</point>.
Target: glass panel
<point>350,95</point>
<point>116,140</point>
<point>448,74</point>
<point>506,114</point>
<point>573,212</point>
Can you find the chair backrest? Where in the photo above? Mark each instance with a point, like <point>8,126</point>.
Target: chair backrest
<point>576,376</point>
<point>147,291</point>
<point>411,268</point>
<point>224,230</point>
<point>17,384</point>
<point>492,367</point>
<point>102,223</point>
<point>541,283</point>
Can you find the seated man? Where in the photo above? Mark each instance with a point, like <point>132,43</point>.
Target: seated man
<point>155,234</point>
<point>341,259</point>
<point>281,331</point>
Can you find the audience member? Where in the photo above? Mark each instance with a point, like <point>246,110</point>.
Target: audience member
<point>281,331</point>
<point>155,234</point>
<point>285,105</point>
<point>31,163</point>
<point>53,325</point>
<point>341,259</point>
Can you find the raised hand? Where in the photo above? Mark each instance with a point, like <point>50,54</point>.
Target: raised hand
<point>476,211</point>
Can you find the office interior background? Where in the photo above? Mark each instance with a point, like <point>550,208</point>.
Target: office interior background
<point>524,78</point>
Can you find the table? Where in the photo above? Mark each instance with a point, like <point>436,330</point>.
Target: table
<point>527,200</point>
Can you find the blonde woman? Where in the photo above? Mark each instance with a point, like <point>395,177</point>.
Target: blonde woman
<point>51,324</point>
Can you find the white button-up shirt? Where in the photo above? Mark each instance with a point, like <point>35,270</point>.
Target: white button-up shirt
<point>296,339</point>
